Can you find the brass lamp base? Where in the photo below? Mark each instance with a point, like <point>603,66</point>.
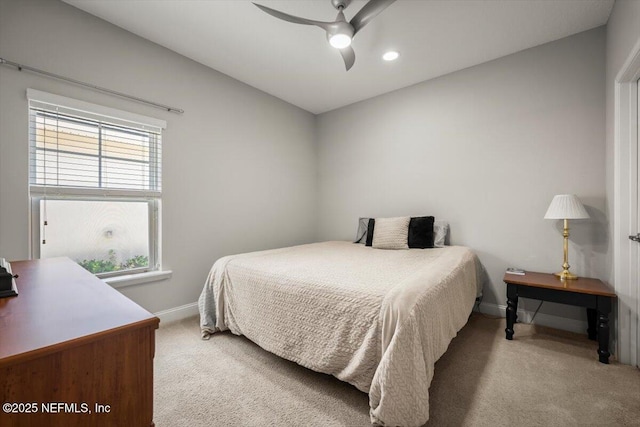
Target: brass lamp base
<point>566,275</point>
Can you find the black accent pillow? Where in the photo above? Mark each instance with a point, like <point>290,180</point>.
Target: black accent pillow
<point>372,223</point>
<point>420,232</point>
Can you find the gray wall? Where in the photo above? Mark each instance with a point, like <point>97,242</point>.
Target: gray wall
<point>239,167</point>
<point>485,148</point>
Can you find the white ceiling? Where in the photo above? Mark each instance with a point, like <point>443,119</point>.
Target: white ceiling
<point>296,63</point>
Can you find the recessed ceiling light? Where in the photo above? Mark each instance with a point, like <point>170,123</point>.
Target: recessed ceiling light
<point>392,55</point>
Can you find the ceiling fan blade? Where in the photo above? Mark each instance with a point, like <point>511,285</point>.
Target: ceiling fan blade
<point>349,56</point>
<point>295,19</point>
<point>367,13</point>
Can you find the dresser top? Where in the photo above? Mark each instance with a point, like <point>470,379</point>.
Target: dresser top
<point>60,303</point>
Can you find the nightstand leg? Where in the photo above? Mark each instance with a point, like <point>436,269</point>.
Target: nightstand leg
<point>592,319</point>
<point>512,308</point>
<point>603,338</point>
<point>604,308</point>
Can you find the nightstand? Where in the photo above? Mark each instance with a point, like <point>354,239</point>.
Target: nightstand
<point>593,294</point>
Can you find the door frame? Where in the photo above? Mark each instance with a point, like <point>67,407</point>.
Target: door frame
<point>626,216</point>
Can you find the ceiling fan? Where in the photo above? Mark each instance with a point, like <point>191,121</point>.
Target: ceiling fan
<point>340,32</point>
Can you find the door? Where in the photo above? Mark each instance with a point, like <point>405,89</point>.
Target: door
<point>626,216</point>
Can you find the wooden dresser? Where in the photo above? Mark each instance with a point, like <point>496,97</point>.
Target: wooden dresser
<point>73,351</point>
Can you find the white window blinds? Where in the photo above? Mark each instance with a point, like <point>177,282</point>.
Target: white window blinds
<point>76,145</point>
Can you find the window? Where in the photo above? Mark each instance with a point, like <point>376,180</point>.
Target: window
<point>95,185</point>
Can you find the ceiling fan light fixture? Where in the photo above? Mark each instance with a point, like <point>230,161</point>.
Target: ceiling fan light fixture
<point>339,32</point>
<point>392,55</point>
<point>340,41</point>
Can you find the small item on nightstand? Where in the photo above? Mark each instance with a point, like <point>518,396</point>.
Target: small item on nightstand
<point>517,271</point>
<point>7,283</point>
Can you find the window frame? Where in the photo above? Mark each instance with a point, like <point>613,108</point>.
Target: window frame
<point>152,196</point>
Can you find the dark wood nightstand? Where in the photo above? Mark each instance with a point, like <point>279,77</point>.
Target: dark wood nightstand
<point>593,294</point>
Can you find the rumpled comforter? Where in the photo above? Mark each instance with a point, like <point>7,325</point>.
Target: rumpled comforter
<point>377,319</point>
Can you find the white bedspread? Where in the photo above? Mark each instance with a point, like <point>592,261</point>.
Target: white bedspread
<point>378,319</point>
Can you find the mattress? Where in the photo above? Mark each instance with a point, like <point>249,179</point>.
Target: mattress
<point>377,319</point>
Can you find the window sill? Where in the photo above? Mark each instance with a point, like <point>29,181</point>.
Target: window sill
<point>137,279</point>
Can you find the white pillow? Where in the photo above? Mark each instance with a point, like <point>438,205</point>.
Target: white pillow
<point>440,230</point>
<point>391,233</point>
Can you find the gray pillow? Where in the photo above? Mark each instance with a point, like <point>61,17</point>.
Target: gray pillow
<point>363,226</point>
<point>440,231</point>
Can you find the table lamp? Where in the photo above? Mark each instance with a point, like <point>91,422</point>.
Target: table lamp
<point>566,207</point>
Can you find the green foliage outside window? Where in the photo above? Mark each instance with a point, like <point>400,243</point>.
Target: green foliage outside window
<point>96,266</point>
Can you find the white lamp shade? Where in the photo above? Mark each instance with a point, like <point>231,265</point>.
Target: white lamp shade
<point>566,206</point>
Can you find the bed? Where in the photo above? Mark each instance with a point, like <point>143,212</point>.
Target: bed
<point>377,319</point>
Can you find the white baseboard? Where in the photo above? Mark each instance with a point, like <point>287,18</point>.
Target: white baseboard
<point>177,313</point>
<point>542,319</point>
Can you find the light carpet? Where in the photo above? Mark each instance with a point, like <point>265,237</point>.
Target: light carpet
<point>544,377</point>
